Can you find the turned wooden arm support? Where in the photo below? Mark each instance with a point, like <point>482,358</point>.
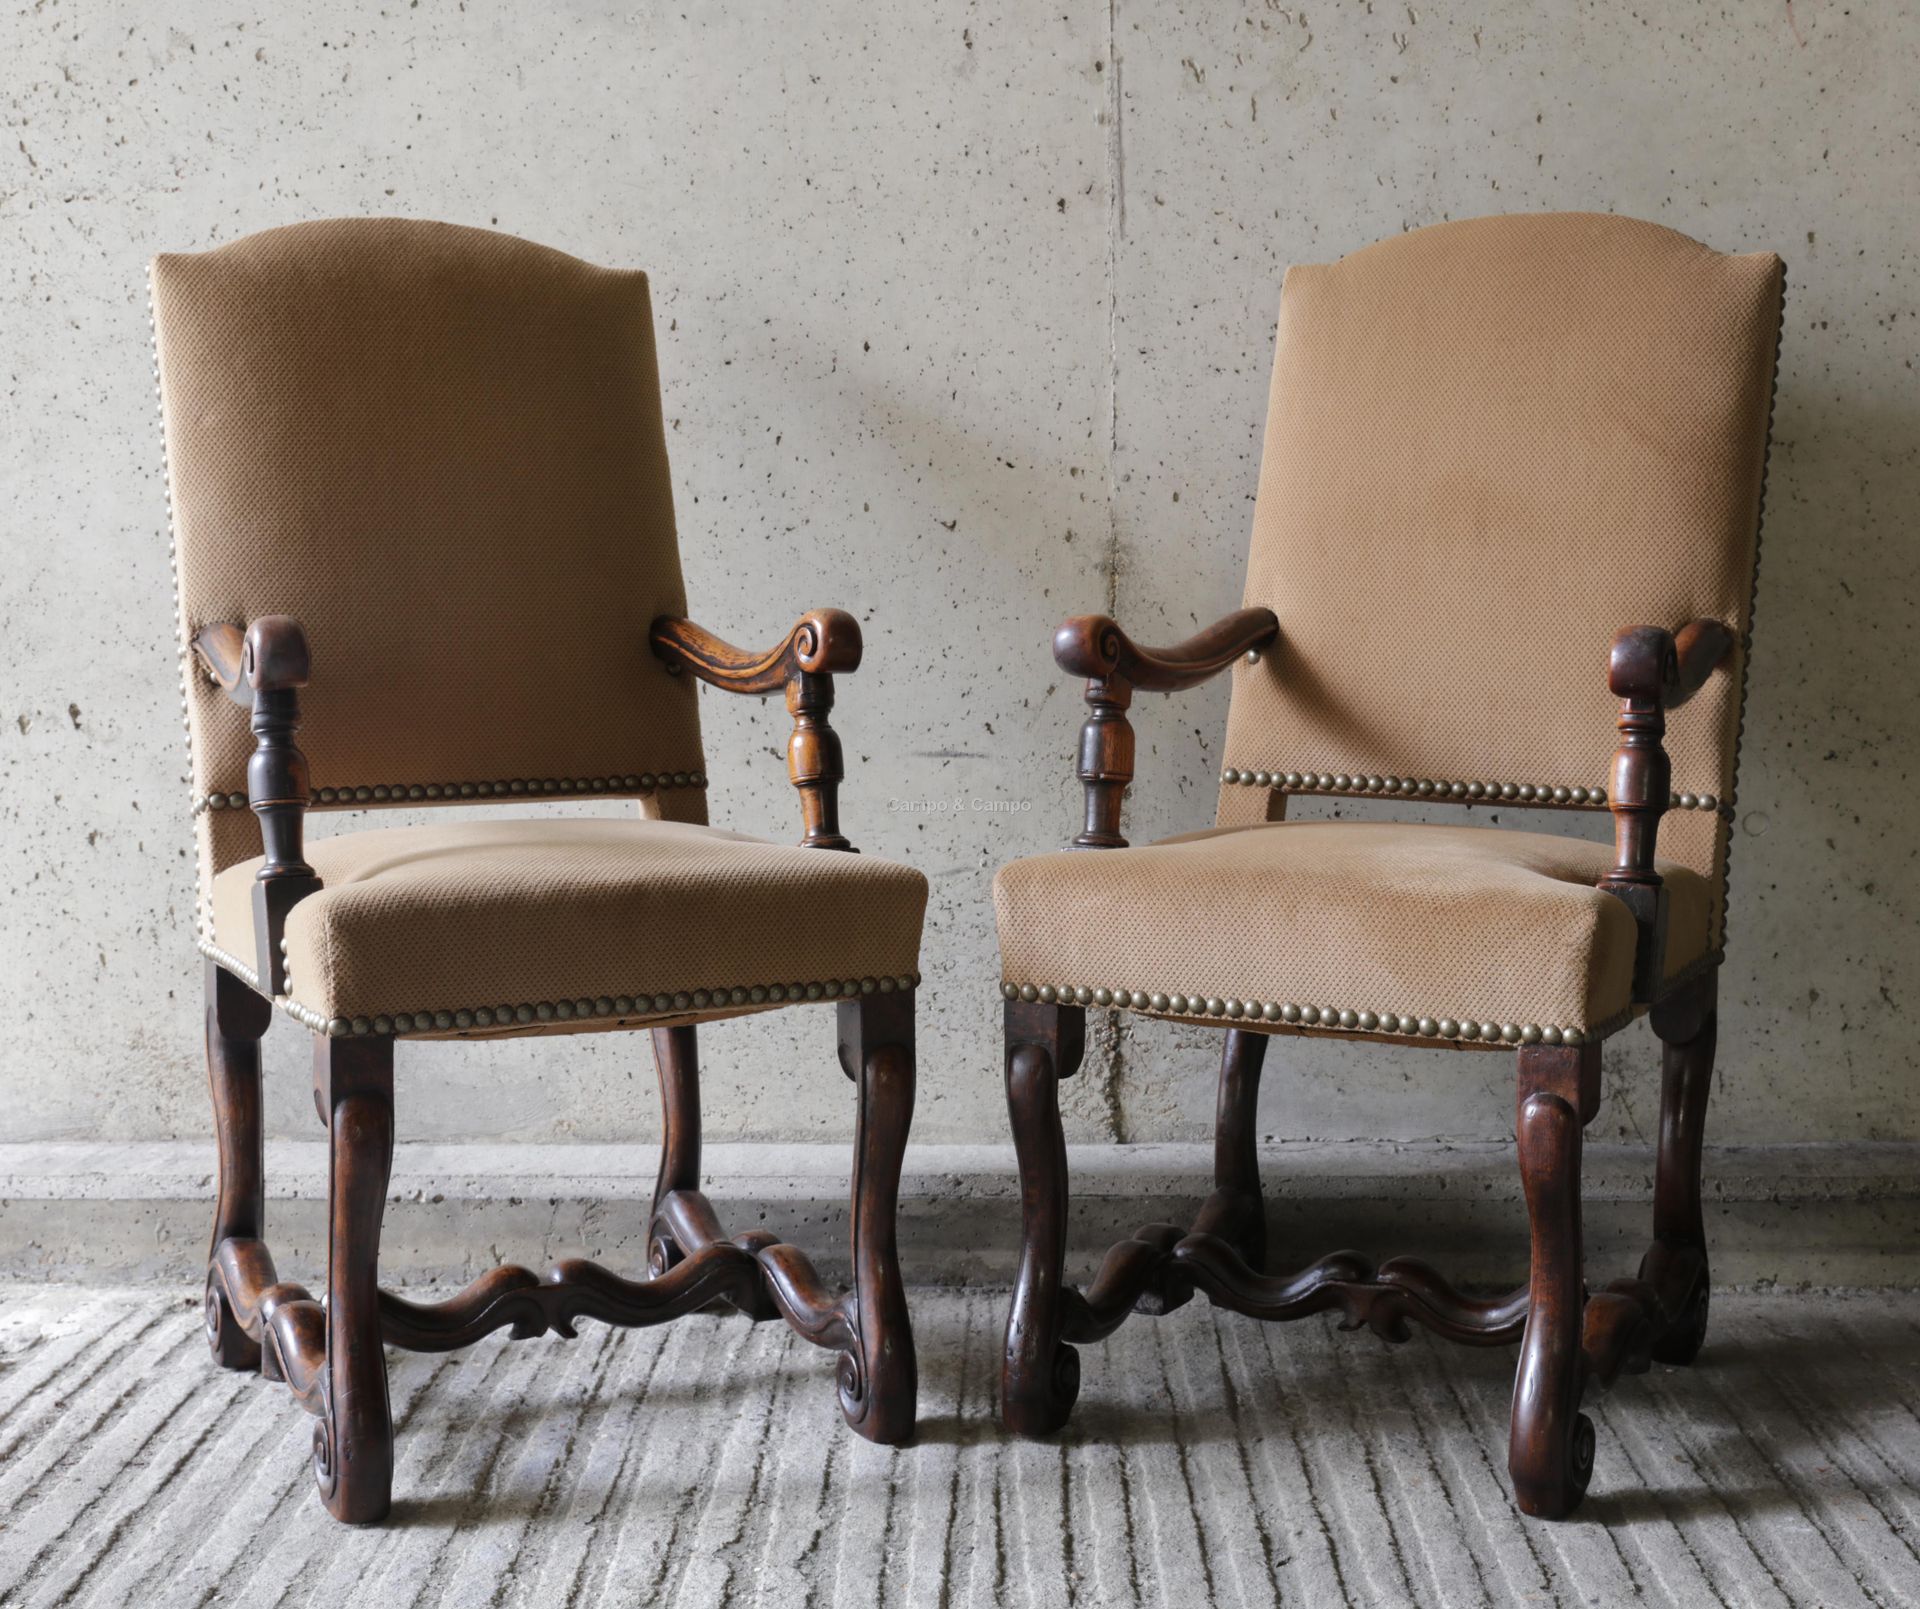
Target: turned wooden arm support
<point>264,669</point>
<point>1651,670</point>
<point>1115,665</point>
<point>822,644</point>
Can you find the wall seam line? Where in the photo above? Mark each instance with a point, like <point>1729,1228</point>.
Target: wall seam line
<point>1111,1049</point>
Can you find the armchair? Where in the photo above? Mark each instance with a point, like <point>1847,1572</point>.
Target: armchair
<point>1488,444</point>
<point>391,444</point>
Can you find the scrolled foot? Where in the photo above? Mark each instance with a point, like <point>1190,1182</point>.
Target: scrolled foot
<point>1037,1396</point>
<point>232,1347</point>
<point>1680,1344</point>
<point>879,1394</point>
<point>1550,1484</point>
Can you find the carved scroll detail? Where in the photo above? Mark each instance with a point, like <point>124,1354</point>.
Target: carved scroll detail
<point>517,1298</point>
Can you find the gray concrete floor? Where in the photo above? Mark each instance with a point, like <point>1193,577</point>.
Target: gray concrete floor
<point>1212,1460</point>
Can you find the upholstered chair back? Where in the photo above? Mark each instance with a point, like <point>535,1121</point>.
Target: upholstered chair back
<point>1490,445</point>
<point>440,449</point>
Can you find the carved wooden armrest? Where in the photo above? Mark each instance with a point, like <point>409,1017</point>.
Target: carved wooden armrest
<point>822,643</point>
<point>264,670</point>
<point>1651,671</point>
<point>1114,664</point>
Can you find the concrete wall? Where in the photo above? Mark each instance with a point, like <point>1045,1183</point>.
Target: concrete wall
<point>966,313</point>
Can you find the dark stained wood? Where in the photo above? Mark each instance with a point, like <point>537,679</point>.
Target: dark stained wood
<point>1569,1070</point>
<point>1640,788</point>
<point>221,649</point>
<point>879,1374</point>
<point>1667,668</point>
<point>329,1354</point>
<point>264,668</point>
<point>237,1017</point>
<point>353,1443</point>
<point>1095,647</point>
<point>1651,671</point>
<point>1402,1292</point>
<point>814,762</point>
<point>1676,1264</point>
<point>1040,1373</point>
<point>1550,1447</point>
<point>1105,763</point>
<point>516,1298</point>
<point>275,662</point>
<point>676,1060</point>
<point>1235,1211</point>
<point>822,644</point>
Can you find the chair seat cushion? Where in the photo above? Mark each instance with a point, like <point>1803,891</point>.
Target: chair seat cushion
<point>1449,933</point>
<point>529,924</point>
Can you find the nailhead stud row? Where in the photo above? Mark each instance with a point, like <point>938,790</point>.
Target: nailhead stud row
<point>1386,1022</point>
<point>659,1005</point>
<point>1415,787</point>
<point>184,653</point>
<point>645,782</point>
<point>1426,788</point>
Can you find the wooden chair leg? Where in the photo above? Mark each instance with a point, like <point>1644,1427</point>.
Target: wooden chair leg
<point>1040,1374</point>
<point>1676,1265</point>
<point>237,1018</point>
<point>676,1059</point>
<point>879,1375</point>
<point>1550,1452</point>
<point>1235,1211</point>
<point>353,1440</point>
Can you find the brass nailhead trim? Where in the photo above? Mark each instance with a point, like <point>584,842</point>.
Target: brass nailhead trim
<point>516,788</point>
<point>1386,1022</point>
<point>527,1013</point>
<point>1414,787</point>
<point>1427,788</point>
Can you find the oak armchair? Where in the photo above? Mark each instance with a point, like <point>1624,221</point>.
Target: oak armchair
<point>424,534</point>
<point>1490,445</point>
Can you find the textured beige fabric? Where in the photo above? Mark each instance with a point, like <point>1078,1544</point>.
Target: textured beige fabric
<point>1490,445</point>
<point>501,914</point>
<point>440,449</point>
<point>1467,923</point>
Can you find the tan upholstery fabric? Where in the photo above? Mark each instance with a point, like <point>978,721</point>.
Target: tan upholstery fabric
<point>1461,923</point>
<point>1490,445</point>
<point>504,914</point>
<point>440,449</point>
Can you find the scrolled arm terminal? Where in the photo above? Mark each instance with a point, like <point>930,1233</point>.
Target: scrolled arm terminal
<point>1095,647</point>
<point>823,643</point>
